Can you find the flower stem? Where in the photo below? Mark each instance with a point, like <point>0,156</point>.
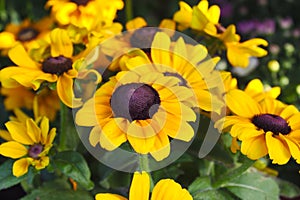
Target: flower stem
<point>128,10</point>
<point>144,166</point>
<point>68,137</point>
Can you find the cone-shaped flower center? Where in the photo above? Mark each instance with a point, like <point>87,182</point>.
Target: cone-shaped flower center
<point>27,34</point>
<point>182,80</point>
<point>80,2</point>
<point>57,65</point>
<point>135,101</point>
<point>35,150</point>
<point>273,123</point>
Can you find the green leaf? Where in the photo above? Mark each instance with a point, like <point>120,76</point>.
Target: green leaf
<point>212,195</point>
<point>252,185</point>
<point>73,165</point>
<point>200,184</point>
<point>58,190</point>
<point>288,189</point>
<point>7,179</point>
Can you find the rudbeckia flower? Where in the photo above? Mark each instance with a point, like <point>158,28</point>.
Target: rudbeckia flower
<point>30,143</point>
<point>239,53</point>
<point>60,68</point>
<point>27,33</point>
<point>84,13</point>
<point>46,101</point>
<point>140,188</point>
<point>265,128</point>
<point>142,107</point>
<point>188,63</point>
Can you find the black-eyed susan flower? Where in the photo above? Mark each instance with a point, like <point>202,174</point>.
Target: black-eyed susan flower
<point>140,190</point>
<point>30,142</point>
<point>187,62</point>
<point>142,107</point>
<point>46,101</point>
<point>27,33</point>
<point>265,128</point>
<point>60,67</point>
<point>84,13</point>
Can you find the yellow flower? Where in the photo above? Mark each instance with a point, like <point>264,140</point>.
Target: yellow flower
<point>30,144</point>
<point>187,62</point>
<point>59,68</point>
<point>268,127</point>
<point>84,13</point>
<point>46,100</point>
<point>142,107</point>
<point>140,188</point>
<point>27,33</point>
<point>257,91</point>
<point>200,17</point>
<point>239,53</point>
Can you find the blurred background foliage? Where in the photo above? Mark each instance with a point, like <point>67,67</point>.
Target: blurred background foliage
<point>277,21</point>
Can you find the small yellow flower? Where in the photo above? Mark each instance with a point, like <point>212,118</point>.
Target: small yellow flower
<point>239,53</point>
<point>142,107</point>
<point>140,188</point>
<point>84,13</point>
<point>30,143</point>
<point>28,33</point>
<point>265,128</point>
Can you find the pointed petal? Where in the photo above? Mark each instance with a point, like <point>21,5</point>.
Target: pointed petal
<point>20,57</point>
<point>160,49</point>
<point>44,129</point>
<point>13,149</point>
<point>66,93</point>
<point>18,132</point>
<point>33,131</point>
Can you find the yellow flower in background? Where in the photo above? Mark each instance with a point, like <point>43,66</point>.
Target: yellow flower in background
<point>84,13</point>
<point>257,91</point>
<point>46,100</point>
<point>265,128</point>
<point>30,143</point>
<point>184,16</point>
<point>59,67</point>
<point>28,33</point>
<point>239,53</point>
<point>142,107</point>
<point>140,189</point>
<point>189,63</point>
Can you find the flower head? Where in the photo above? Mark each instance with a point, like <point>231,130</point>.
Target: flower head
<point>142,107</point>
<point>30,142</point>
<point>268,127</point>
<point>140,187</point>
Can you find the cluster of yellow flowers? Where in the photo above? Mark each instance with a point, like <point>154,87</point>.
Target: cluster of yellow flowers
<point>160,84</point>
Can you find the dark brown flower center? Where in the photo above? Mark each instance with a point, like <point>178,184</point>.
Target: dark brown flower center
<point>80,2</point>
<point>182,82</point>
<point>135,101</point>
<point>35,150</point>
<point>27,34</point>
<point>273,123</point>
<point>57,65</point>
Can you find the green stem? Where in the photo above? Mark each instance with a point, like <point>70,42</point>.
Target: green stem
<point>234,173</point>
<point>128,10</point>
<point>144,166</point>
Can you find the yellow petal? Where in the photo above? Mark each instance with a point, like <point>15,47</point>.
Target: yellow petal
<point>185,132</point>
<point>169,189</point>
<point>107,196</point>
<point>278,149</point>
<point>66,93</point>
<point>51,136</point>
<point>61,43</point>
<point>44,129</point>
<point>114,133</point>
<point>140,186</point>
<point>254,87</point>
<point>199,20</point>
<point>160,49</point>
<point>254,147</point>
<point>5,135</point>
<point>20,167</point>
<point>7,40</point>
<point>161,148</point>
<point>289,111</point>
<point>18,132</point>
<point>33,131</point>
<point>94,137</point>
<point>86,116</point>
<point>294,147</point>
<point>135,23</point>
<point>20,57</point>
<point>242,104</point>
<point>13,149</point>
